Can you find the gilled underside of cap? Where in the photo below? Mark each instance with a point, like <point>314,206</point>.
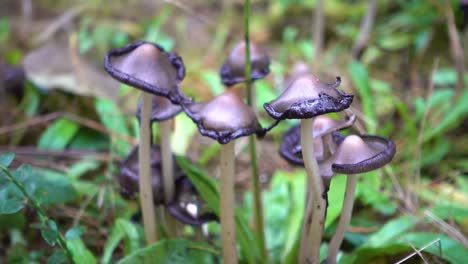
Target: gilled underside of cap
<point>162,109</point>
<point>307,97</point>
<point>359,154</point>
<point>233,70</point>
<point>224,118</point>
<point>146,66</point>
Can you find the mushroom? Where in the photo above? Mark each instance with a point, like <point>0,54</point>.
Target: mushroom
<point>356,154</point>
<point>233,69</point>
<point>225,118</point>
<point>146,66</point>
<point>186,198</point>
<point>305,98</point>
<point>162,109</point>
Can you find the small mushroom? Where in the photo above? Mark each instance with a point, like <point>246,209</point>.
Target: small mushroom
<point>162,109</point>
<point>225,118</point>
<point>305,98</point>
<point>356,154</point>
<point>233,69</point>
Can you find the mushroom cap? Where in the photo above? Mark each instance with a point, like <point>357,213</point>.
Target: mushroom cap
<point>146,66</point>
<point>129,174</point>
<point>307,97</point>
<point>358,154</point>
<point>162,109</point>
<point>233,69</point>
<point>291,149</point>
<point>188,206</point>
<point>224,118</point>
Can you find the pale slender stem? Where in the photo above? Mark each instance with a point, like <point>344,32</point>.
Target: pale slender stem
<point>227,204</point>
<point>167,161</point>
<point>144,155</point>
<point>315,214</point>
<point>318,27</point>
<point>345,218</point>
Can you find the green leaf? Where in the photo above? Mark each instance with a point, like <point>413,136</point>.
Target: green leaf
<point>80,254</point>
<point>58,134</point>
<point>335,198</point>
<point>123,229</point>
<point>75,232</point>
<point>209,191</point>
<point>9,205</point>
<point>6,159</point>
<point>391,231</point>
<point>58,257</point>
<point>213,80</point>
<point>50,233</point>
<point>177,251</point>
<point>360,78</point>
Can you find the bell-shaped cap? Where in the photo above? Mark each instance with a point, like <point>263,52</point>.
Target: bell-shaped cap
<point>129,174</point>
<point>291,149</point>
<point>299,68</point>
<point>188,206</point>
<point>307,97</point>
<point>148,67</point>
<point>233,69</point>
<point>162,109</point>
<point>224,118</point>
<point>358,154</point>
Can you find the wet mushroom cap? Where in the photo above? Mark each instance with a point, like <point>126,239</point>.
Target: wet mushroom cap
<point>233,70</point>
<point>162,109</point>
<point>129,174</point>
<point>188,206</point>
<point>224,118</point>
<point>359,154</point>
<point>148,67</point>
<point>307,97</point>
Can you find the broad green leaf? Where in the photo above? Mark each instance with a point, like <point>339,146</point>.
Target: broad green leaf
<point>209,191</point>
<point>123,229</point>
<point>360,78</point>
<point>391,231</point>
<point>50,234</point>
<point>80,254</point>
<point>52,187</point>
<point>213,80</point>
<point>264,92</point>
<point>58,257</point>
<point>177,251</point>
<point>58,134</point>
<point>6,159</point>
<point>81,167</point>
<point>335,198</point>
<point>9,205</point>
<point>75,232</point>
<point>31,99</point>
<point>184,129</point>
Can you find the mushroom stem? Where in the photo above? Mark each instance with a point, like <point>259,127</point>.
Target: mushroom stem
<point>345,218</point>
<point>315,213</point>
<point>144,155</point>
<point>167,171</point>
<point>228,228</point>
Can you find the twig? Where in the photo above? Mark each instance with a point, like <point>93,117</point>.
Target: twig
<point>446,228</point>
<point>418,252</point>
<point>73,153</point>
<point>365,30</point>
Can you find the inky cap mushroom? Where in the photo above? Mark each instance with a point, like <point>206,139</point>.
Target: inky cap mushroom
<point>148,67</point>
<point>224,118</point>
<point>188,207</point>
<point>129,174</point>
<point>307,97</point>
<point>162,109</point>
<point>233,69</point>
<point>358,154</point>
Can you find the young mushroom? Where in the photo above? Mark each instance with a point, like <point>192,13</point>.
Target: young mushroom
<point>225,118</point>
<point>356,154</point>
<point>305,98</point>
<point>147,67</point>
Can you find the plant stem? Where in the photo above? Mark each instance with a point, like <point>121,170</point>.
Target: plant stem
<point>44,218</point>
<point>144,156</point>
<point>318,28</point>
<point>167,172</point>
<point>227,204</point>
<point>315,214</point>
<point>345,218</point>
<point>251,101</point>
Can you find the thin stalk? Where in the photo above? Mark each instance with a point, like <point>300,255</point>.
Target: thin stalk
<point>251,101</point>
<point>44,218</point>
<point>227,204</point>
<point>318,27</point>
<point>315,214</point>
<point>345,218</point>
<point>144,155</point>
<point>167,172</point>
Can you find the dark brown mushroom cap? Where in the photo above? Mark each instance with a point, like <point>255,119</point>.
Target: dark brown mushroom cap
<point>224,118</point>
<point>129,174</point>
<point>307,97</point>
<point>359,154</point>
<point>162,109</point>
<point>188,206</point>
<point>233,69</point>
<point>148,67</point>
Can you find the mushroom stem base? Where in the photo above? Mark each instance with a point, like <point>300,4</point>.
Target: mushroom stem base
<point>345,218</point>
<point>227,203</point>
